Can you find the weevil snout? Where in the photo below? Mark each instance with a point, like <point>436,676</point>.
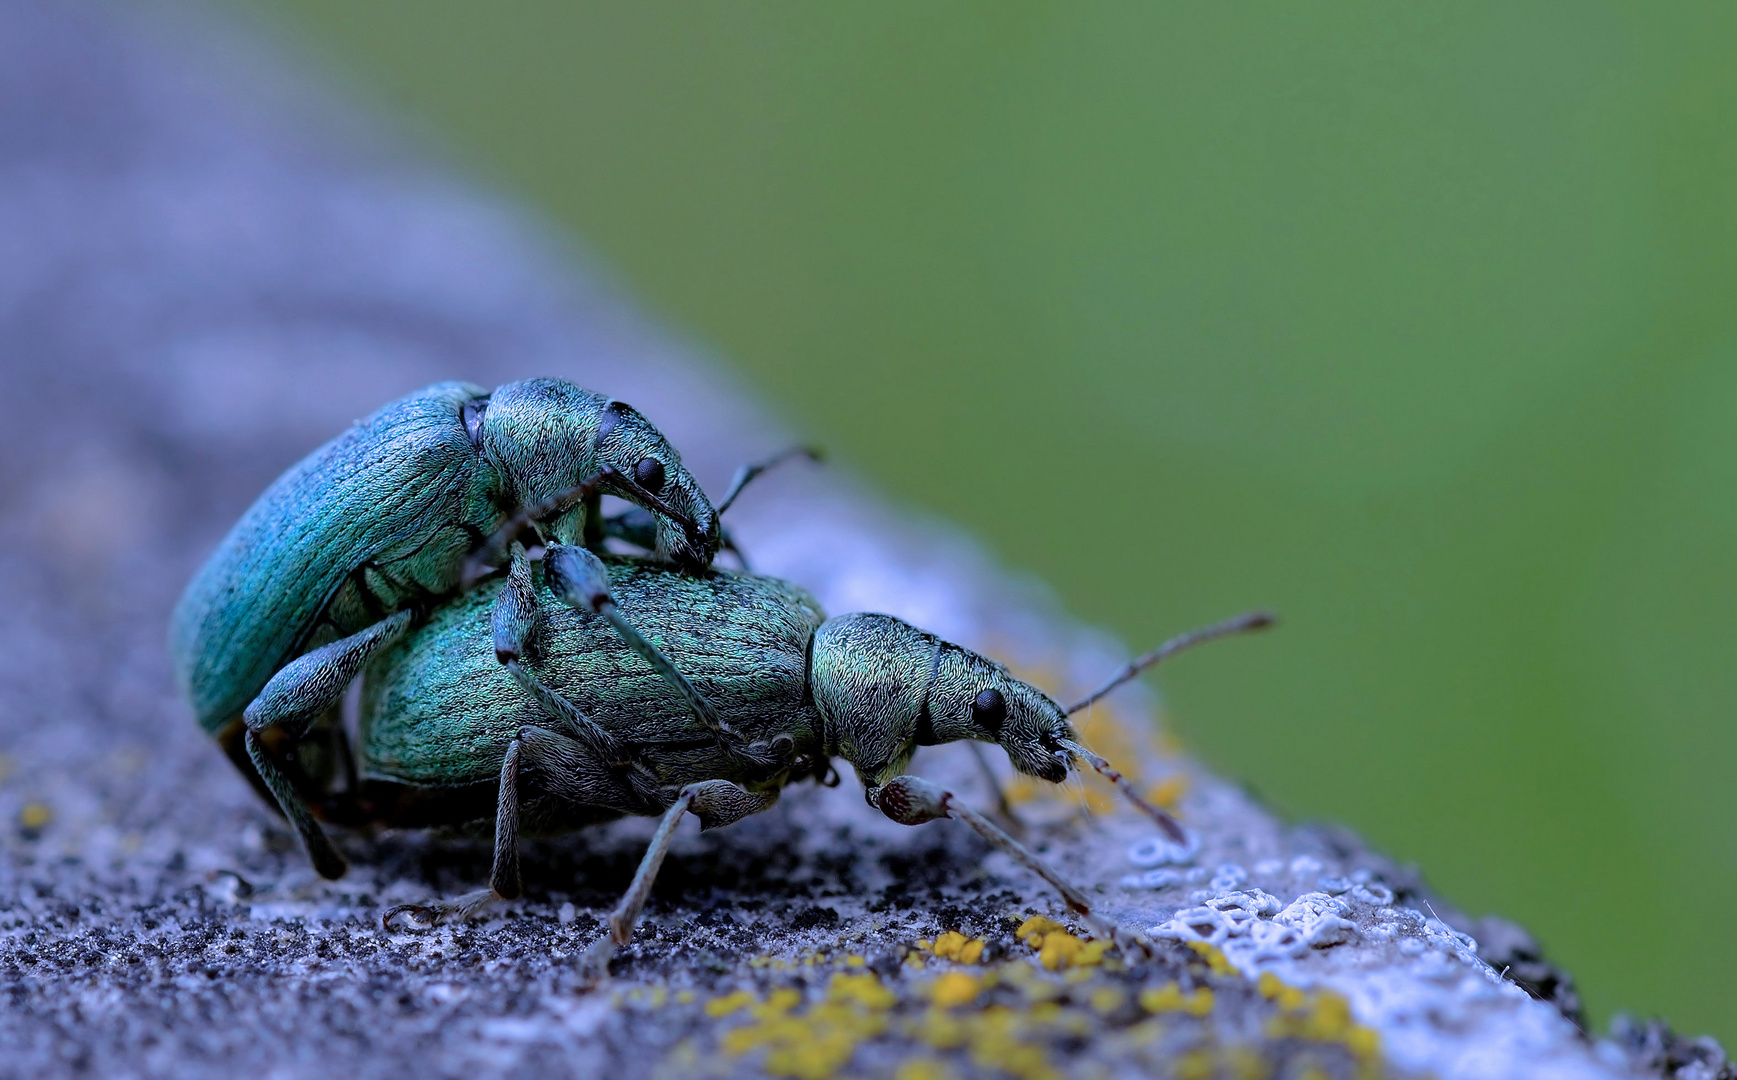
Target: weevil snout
<point>652,474</point>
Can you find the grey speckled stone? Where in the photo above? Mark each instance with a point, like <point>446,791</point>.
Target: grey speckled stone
<point>203,277</point>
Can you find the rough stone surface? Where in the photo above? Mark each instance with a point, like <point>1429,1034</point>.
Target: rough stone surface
<point>204,276</point>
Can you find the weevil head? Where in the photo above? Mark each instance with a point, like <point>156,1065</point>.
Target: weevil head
<point>547,435</point>
<point>884,688</point>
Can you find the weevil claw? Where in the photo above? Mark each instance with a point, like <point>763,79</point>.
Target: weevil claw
<point>436,912</point>
<point>421,911</point>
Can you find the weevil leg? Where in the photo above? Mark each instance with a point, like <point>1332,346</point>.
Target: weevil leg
<point>327,862</point>
<point>567,770</point>
<point>912,800</point>
<point>633,526</point>
<point>716,803</point>
<point>307,688</point>
<point>1003,808</point>
<point>504,881</point>
<point>315,681</point>
<point>637,527</point>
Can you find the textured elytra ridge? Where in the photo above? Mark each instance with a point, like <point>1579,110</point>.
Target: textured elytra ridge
<point>201,285</point>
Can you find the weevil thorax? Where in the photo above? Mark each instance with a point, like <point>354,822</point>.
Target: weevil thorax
<point>884,688</point>
<point>544,436</point>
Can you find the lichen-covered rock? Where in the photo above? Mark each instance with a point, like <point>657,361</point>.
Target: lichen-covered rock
<point>202,278</point>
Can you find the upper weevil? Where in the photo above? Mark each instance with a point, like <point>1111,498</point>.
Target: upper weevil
<point>448,737</point>
<point>378,526</point>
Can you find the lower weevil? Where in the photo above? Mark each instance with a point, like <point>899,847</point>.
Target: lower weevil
<point>579,729</point>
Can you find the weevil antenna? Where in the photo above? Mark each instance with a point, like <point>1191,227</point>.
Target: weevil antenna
<point>1172,828</point>
<point>1241,624</point>
<point>748,472</point>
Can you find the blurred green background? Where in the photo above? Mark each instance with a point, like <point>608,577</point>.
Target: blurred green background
<point>1414,322</point>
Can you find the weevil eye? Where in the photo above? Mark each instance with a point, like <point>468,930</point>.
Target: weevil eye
<point>649,474</point>
<point>989,711</point>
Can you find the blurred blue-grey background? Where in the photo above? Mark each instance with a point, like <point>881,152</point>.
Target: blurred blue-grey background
<point>1413,322</point>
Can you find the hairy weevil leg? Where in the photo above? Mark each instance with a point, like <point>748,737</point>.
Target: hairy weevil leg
<point>716,803</point>
<point>1003,808</point>
<point>912,800</point>
<point>637,527</point>
<point>565,769</point>
<point>315,681</point>
<point>327,862</point>
<point>307,688</point>
<point>504,880</point>
<point>514,620</point>
<point>639,785</point>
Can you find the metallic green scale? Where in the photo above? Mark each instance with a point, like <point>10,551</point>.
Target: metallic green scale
<point>439,709</point>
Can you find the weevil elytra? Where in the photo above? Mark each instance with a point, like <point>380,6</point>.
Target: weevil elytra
<point>579,729</point>
<point>339,556</point>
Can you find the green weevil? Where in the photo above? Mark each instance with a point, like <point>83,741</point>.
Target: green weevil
<point>449,734</point>
<point>369,533</point>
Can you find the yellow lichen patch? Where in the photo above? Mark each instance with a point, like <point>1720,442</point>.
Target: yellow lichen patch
<point>1244,1063</point>
<point>923,1069</point>
<point>1196,1065</point>
<point>34,815</point>
<point>956,946</point>
<point>955,989</point>
<point>865,990</point>
<point>1215,959</point>
<point>1319,1016</point>
<point>815,1044</point>
<point>780,1002</point>
<point>1032,930</point>
<point>995,1044</point>
<point>1061,949</point>
<point>1274,989</point>
<point>1171,998</point>
<point>729,1003</point>
<point>1108,999</point>
<point>1058,949</point>
<point>942,1030</point>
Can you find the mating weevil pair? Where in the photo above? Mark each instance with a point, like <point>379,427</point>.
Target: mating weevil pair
<point>375,529</point>
<point>648,689</point>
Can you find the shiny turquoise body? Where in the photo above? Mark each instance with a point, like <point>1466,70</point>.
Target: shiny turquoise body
<point>377,519</point>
